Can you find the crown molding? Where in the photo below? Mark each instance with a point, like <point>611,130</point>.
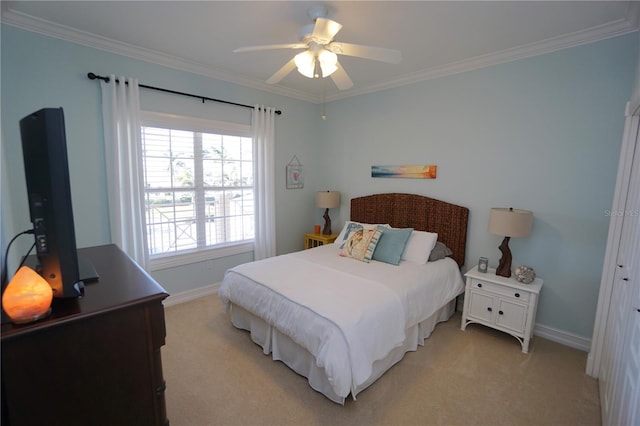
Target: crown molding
<point>612,29</point>
<point>62,32</point>
<point>590,35</point>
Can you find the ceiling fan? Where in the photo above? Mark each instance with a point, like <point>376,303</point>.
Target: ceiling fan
<point>320,55</point>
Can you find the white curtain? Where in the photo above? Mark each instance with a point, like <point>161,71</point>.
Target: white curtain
<point>262,126</point>
<point>123,152</point>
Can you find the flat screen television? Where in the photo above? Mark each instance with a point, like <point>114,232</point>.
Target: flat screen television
<point>44,150</point>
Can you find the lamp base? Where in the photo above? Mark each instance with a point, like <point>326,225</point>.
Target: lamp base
<point>504,267</point>
<point>327,223</point>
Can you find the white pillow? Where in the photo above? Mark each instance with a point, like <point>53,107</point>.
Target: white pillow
<point>342,236</point>
<point>419,246</point>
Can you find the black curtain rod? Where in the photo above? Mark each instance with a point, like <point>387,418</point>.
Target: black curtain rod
<point>93,76</point>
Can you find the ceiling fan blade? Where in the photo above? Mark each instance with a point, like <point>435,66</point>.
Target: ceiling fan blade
<point>341,78</point>
<point>391,56</point>
<point>271,47</point>
<point>325,30</point>
<point>282,72</point>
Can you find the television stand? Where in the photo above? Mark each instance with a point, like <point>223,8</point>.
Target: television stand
<point>96,359</point>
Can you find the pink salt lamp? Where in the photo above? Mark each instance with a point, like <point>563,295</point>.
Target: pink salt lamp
<point>27,297</point>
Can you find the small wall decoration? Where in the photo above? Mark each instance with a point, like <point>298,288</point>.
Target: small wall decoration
<point>413,172</point>
<point>295,177</point>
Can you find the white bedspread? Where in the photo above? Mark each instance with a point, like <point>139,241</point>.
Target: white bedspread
<point>346,313</point>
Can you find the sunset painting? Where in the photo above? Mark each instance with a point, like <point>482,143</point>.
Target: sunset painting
<point>409,172</point>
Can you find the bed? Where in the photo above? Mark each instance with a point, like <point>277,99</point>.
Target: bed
<point>342,322</point>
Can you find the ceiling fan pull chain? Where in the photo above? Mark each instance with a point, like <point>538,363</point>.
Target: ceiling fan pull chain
<point>324,101</point>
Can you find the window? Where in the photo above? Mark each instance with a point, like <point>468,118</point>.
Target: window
<point>198,184</point>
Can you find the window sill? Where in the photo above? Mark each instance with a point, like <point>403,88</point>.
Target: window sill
<point>171,261</point>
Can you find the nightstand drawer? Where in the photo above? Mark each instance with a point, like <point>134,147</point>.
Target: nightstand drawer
<point>501,290</point>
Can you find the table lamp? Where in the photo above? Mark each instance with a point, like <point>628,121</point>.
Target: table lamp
<point>28,296</point>
<point>509,223</point>
<point>327,200</point>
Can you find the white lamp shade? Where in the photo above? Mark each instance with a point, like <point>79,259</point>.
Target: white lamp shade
<point>509,222</point>
<point>328,199</point>
<point>328,62</point>
<point>306,63</point>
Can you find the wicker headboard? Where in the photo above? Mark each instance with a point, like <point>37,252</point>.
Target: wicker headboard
<point>421,213</point>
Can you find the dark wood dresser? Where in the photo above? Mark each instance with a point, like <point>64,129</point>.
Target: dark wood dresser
<point>95,360</point>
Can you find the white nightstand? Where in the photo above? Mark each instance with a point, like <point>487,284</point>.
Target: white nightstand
<point>501,303</point>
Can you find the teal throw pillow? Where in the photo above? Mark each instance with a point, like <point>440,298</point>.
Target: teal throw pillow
<point>391,244</point>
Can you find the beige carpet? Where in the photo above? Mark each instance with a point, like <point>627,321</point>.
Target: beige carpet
<point>216,376</point>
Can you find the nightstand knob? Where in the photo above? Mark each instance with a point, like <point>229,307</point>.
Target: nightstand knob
<point>489,309</point>
<point>500,313</point>
<point>479,285</point>
<point>517,294</point>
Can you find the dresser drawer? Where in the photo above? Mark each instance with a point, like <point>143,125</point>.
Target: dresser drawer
<point>501,290</point>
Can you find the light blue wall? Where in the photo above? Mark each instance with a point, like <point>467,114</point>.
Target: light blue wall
<point>39,72</point>
<point>635,96</point>
<point>541,134</point>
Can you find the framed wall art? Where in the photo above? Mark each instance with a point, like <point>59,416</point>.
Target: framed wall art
<point>295,175</point>
<point>428,171</point>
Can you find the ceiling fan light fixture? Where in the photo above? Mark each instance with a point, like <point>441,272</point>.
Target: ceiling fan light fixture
<point>320,59</point>
<point>328,62</point>
<point>306,63</point>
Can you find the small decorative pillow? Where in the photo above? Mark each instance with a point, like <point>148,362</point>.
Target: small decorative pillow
<point>391,244</point>
<point>440,251</point>
<point>346,230</point>
<point>361,244</point>
<point>419,246</point>
<point>352,226</point>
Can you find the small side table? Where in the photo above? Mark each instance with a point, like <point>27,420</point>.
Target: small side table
<point>312,240</point>
<point>501,303</point>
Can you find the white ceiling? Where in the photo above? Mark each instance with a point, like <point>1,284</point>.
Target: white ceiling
<point>435,38</point>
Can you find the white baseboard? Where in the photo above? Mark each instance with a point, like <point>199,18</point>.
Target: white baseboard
<point>189,295</point>
<point>563,337</point>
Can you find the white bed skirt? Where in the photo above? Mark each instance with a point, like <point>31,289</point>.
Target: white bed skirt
<point>282,348</point>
